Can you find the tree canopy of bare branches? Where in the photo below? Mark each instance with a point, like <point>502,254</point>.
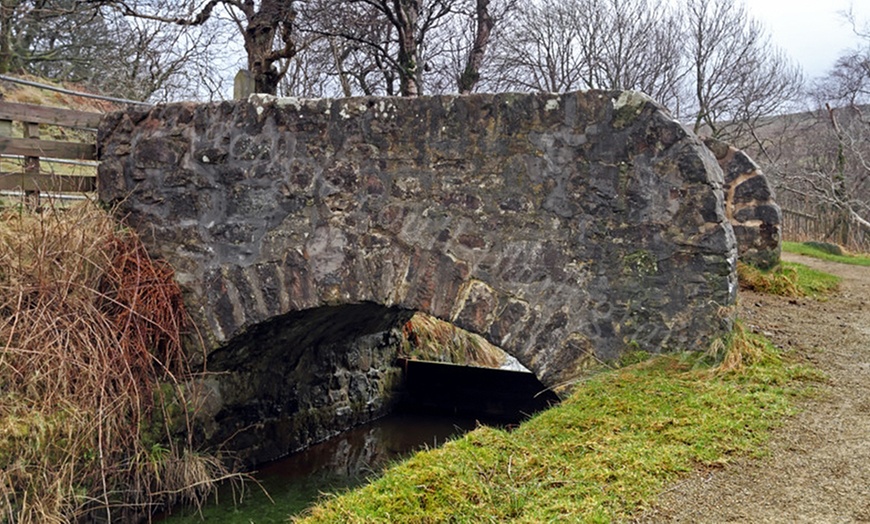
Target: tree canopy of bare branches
<point>266,27</point>
<point>737,75</point>
<point>70,41</point>
<point>404,47</point>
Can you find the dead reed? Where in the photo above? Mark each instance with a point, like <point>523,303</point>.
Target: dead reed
<point>92,373</point>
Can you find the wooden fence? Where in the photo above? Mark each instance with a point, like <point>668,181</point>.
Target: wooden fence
<point>33,164</point>
<point>821,224</point>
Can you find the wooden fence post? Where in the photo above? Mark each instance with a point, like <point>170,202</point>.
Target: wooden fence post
<point>31,165</point>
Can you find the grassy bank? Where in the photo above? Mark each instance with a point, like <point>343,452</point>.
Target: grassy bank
<point>601,455</point>
<point>821,251</point>
<point>92,402</point>
<point>607,451</point>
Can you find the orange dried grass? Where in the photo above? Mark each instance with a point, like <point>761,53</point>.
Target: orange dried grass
<point>427,338</point>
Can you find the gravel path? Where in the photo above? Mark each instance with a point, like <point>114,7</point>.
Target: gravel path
<point>818,468</point>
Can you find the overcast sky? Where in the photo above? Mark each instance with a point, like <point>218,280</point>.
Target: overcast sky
<point>812,32</point>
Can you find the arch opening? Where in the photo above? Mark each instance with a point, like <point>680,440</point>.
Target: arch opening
<point>303,377</point>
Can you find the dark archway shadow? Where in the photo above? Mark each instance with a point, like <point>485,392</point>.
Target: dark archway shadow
<point>300,378</point>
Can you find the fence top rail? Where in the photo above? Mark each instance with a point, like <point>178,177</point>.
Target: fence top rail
<point>49,115</point>
<point>31,147</point>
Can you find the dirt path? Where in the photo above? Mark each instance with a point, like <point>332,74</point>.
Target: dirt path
<point>818,469</point>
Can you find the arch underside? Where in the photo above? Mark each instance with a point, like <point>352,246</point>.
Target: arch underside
<point>301,378</point>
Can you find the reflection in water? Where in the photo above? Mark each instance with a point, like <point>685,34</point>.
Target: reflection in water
<point>361,450</point>
<point>345,461</point>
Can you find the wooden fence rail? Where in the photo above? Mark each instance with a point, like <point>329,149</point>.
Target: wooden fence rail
<point>817,225</point>
<point>33,177</point>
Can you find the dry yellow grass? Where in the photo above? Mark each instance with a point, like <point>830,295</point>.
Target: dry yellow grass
<point>91,371</point>
<point>428,338</point>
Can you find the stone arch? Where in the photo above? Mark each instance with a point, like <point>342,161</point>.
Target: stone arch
<point>565,229</point>
<point>750,206</point>
<point>300,378</point>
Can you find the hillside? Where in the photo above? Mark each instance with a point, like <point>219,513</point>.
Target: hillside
<point>23,94</point>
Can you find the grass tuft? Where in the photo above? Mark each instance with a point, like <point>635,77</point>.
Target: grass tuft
<point>787,279</point>
<point>91,335</point>
<point>427,338</point>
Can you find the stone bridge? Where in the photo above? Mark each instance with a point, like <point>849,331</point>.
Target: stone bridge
<point>566,229</point>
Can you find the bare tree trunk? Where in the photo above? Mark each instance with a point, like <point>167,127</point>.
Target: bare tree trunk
<point>7,7</point>
<point>407,13</point>
<point>339,67</point>
<point>263,26</point>
<point>484,22</point>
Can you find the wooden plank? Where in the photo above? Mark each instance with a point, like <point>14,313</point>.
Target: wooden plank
<point>48,115</point>
<point>31,165</point>
<point>47,148</point>
<point>48,183</point>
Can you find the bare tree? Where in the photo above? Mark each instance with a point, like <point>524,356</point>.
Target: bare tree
<point>266,27</point>
<point>538,49</point>
<point>831,172</point>
<point>392,33</point>
<point>737,75</point>
<point>69,41</point>
<point>484,22</point>
<point>406,47</point>
<point>357,42</point>
<point>561,45</point>
<point>637,46</point>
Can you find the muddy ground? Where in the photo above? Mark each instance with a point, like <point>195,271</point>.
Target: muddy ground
<point>818,466</point>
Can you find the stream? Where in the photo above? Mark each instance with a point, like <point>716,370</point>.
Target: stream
<point>345,461</point>
<point>438,402</point>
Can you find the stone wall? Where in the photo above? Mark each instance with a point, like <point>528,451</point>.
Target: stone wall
<point>565,229</point>
<point>750,206</point>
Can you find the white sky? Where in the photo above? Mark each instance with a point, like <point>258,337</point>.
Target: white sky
<point>811,32</point>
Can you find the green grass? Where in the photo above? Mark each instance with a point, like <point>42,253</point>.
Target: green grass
<point>787,279</point>
<point>812,251</point>
<point>602,455</point>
